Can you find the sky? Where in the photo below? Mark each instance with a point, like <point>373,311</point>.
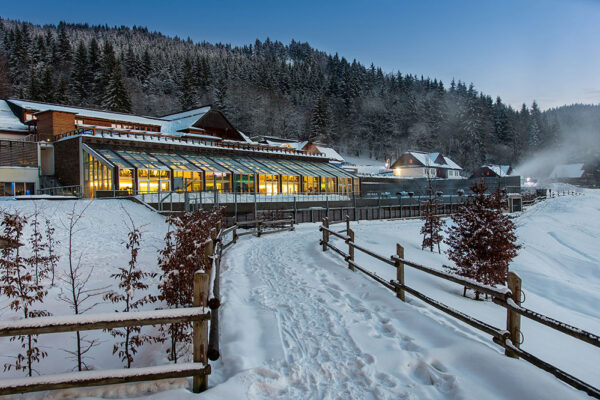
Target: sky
<point>520,50</point>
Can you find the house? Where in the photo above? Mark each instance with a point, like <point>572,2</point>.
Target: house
<point>303,145</point>
<point>97,151</point>
<point>493,171</point>
<point>576,174</point>
<point>418,164</point>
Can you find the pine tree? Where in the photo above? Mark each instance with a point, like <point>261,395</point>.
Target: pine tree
<point>482,238</point>
<point>320,122</point>
<point>116,97</point>
<point>80,78</point>
<point>62,92</point>
<point>186,87</point>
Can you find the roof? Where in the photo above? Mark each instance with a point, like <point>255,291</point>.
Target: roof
<point>567,171</point>
<point>330,153</point>
<point>500,170</point>
<point>171,124</point>
<point>8,120</point>
<point>39,106</point>
<point>429,160</point>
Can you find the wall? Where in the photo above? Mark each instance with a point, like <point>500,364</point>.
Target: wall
<point>67,153</point>
<point>18,154</point>
<point>19,174</point>
<point>448,186</point>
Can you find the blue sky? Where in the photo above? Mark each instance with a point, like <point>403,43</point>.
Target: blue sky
<point>521,50</point>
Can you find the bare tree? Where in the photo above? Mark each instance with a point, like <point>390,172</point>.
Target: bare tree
<point>131,284</point>
<point>76,293</point>
<point>53,258</point>
<point>19,285</point>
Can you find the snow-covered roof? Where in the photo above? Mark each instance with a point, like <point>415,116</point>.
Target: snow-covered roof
<point>197,112</point>
<point>567,171</point>
<point>330,153</point>
<point>429,160</point>
<point>372,170</point>
<point>245,137</point>
<point>170,124</point>
<point>8,120</point>
<point>136,119</point>
<point>500,170</point>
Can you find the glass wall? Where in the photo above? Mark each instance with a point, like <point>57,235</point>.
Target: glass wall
<point>126,172</point>
<point>244,178</point>
<point>97,175</point>
<point>126,180</point>
<point>290,180</point>
<point>152,175</point>
<point>216,177</point>
<point>16,188</point>
<point>186,176</point>
<point>268,184</point>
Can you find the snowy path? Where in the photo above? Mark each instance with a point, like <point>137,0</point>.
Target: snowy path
<point>298,325</point>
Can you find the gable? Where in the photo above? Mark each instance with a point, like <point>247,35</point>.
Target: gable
<point>214,121</point>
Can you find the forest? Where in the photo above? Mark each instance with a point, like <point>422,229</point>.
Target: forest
<point>270,88</point>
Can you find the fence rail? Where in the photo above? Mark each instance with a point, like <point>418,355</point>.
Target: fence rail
<point>508,298</point>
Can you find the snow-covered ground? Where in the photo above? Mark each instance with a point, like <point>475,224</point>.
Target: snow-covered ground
<point>297,324</point>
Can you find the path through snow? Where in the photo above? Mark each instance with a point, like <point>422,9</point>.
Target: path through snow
<point>297,324</point>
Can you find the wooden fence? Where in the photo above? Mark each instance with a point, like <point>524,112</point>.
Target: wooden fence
<point>506,297</point>
<point>205,342</point>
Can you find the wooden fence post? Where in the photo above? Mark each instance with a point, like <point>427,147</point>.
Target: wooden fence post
<point>350,234</point>
<point>200,329</point>
<point>235,229</point>
<point>259,228</point>
<point>291,222</point>
<point>209,249</point>
<point>347,223</point>
<point>513,319</point>
<point>325,233</point>
<point>400,271</point>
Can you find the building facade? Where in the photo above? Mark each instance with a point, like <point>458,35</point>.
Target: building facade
<point>417,164</point>
<point>198,150</point>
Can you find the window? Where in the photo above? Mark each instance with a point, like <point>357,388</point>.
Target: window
<point>97,175</point>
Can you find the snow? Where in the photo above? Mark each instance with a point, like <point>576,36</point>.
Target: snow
<point>8,120</point>
<point>567,171</point>
<point>428,160</point>
<point>330,153</point>
<point>296,323</point>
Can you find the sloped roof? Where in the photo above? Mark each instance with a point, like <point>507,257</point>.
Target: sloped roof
<point>38,106</point>
<point>8,120</point>
<point>500,170</point>
<point>330,153</point>
<point>429,160</point>
<point>567,171</point>
<point>170,124</point>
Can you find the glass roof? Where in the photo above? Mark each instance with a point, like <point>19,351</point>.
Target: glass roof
<point>315,170</point>
<point>340,173</point>
<point>114,158</point>
<point>141,160</point>
<point>256,166</point>
<point>276,165</point>
<point>205,163</point>
<point>298,168</point>
<point>175,161</point>
<point>232,164</point>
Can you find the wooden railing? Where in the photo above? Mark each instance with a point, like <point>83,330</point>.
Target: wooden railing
<point>506,297</point>
<point>199,369</point>
<point>205,340</point>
